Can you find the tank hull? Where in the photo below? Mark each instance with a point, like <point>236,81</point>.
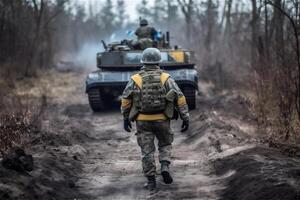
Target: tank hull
<point>120,78</point>
<point>110,85</point>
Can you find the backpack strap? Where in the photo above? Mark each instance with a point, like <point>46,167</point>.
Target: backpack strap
<point>138,80</point>
<point>164,77</point>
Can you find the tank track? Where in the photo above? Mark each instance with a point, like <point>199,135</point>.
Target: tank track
<point>190,95</point>
<point>95,99</point>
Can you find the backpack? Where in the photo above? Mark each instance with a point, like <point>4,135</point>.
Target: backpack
<point>152,97</point>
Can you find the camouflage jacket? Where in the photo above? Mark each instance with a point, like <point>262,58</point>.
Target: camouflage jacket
<point>145,32</point>
<point>170,84</point>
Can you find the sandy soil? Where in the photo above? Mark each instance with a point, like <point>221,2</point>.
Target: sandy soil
<point>82,155</point>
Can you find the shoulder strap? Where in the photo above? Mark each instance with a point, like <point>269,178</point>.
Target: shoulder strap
<point>164,77</point>
<point>138,80</point>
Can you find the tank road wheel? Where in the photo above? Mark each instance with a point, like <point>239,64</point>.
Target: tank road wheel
<point>190,95</point>
<point>95,99</point>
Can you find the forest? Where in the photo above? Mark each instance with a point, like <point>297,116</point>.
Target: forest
<point>245,47</point>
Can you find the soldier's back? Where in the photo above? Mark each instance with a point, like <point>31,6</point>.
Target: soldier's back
<point>145,32</point>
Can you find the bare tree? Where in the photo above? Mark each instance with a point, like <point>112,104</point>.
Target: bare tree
<point>227,30</point>
<point>187,8</point>
<point>41,24</point>
<point>143,9</point>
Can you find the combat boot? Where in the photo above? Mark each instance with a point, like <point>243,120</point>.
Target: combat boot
<point>165,172</point>
<point>151,183</point>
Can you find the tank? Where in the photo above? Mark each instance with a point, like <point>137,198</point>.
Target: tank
<point>120,60</point>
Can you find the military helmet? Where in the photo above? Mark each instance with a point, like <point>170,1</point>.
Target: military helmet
<point>143,22</point>
<point>151,56</point>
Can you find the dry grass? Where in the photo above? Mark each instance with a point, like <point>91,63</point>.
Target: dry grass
<point>281,124</point>
<point>24,102</point>
<point>20,113</point>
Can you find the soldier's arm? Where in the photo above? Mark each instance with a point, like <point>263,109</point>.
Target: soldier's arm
<point>180,100</point>
<point>126,101</point>
<point>153,33</point>
<point>137,32</point>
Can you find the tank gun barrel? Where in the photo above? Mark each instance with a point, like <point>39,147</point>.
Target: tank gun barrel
<point>104,45</point>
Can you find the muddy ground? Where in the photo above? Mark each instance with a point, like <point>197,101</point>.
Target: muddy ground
<point>82,155</point>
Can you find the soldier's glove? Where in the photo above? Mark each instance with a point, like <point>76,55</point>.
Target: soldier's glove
<point>185,126</point>
<point>127,125</point>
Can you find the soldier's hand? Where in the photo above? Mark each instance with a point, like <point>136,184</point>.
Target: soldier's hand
<point>185,126</point>
<point>127,125</point>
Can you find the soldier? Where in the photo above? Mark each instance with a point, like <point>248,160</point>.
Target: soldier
<point>150,98</point>
<point>145,31</point>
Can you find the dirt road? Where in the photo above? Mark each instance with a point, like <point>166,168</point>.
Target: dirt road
<point>112,162</point>
<point>218,158</point>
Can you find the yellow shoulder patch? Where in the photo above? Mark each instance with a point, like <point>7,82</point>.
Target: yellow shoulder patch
<point>126,103</point>
<point>138,80</point>
<point>164,77</point>
<point>181,101</point>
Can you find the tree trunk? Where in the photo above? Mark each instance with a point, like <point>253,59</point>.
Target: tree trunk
<point>228,18</point>
<point>254,26</point>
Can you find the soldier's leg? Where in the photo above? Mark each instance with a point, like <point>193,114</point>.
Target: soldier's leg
<point>165,138</point>
<point>145,139</point>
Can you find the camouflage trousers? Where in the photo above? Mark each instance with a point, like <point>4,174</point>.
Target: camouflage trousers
<point>147,131</point>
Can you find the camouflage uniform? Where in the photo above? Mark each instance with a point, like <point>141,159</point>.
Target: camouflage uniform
<point>144,32</point>
<point>153,125</point>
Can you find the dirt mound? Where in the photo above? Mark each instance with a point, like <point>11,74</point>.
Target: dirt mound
<point>260,173</point>
<point>18,160</point>
<point>53,177</point>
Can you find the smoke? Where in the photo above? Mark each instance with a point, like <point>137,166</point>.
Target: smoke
<point>86,56</point>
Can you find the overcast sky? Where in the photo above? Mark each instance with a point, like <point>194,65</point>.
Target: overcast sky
<point>130,6</point>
